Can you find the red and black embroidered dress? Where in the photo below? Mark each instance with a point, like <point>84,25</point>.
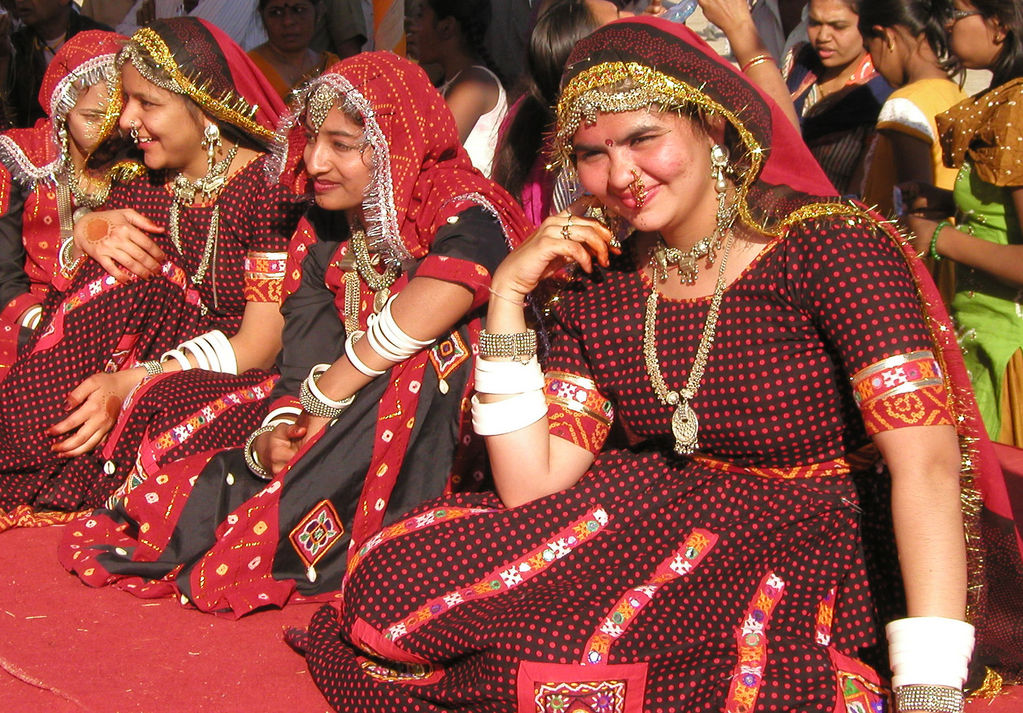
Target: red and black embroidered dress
<point>94,324</point>
<point>205,527</point>
<point>755,575</point>
<point>34,163</point>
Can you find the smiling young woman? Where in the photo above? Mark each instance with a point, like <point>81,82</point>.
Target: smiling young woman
<point>689,498</point>
<point>54,172</point>
<point>181,272</point>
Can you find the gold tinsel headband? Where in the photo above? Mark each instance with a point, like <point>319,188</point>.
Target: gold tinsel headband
<point>229,107</point>
<point>594,91</point>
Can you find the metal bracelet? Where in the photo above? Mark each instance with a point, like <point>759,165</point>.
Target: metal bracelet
<point>924,697</point>
<point>312,403</point>
<point>152,367</point>
<point>250,458</point>
<point>519,346</point>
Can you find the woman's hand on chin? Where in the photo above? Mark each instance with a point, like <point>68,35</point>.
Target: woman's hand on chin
<point>119,241</point>
<point>558,242</point>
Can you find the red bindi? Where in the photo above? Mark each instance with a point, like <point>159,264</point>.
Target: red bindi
<point>609,142</point>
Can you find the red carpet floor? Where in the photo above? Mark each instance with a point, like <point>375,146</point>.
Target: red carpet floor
<point>66,648</point>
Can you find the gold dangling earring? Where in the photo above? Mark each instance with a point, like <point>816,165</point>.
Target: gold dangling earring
<point>211,142</point>
<point>637,188</point>
<point>719,171</point>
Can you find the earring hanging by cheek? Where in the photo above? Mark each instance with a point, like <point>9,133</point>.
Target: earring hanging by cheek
<point>610,220</point>
<point>211,142</point>
<point>718,166</point>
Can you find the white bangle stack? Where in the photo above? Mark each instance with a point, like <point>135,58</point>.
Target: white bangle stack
<point>354,358</point>
<point>284,414</point>
<point>499,417</point>
<point>389,340</point>
<point>212,351</point>
<point>526,407</point>
<point>508,377</point>
<point>929,656</point>
<point>178,356</point>
<point>30,319</point>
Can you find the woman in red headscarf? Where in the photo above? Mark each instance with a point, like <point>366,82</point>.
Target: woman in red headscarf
<point>691,502</point>
<point>387,277</point>
<point>208,234</point>
<point>61,167</point>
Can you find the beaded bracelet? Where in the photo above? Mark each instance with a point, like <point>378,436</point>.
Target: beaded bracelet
<point>520,346</point>
<point>933,250</point>
<point>315,402</point>
<point>939,699</point>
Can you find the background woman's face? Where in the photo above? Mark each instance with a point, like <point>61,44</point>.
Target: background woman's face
<point>290,24</point>
<point>974,39</point>
<point>831,26</point>
<point>85,120</point>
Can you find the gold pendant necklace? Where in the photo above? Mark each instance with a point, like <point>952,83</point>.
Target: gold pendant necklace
<point>365,263</point>
<point>685,425</point>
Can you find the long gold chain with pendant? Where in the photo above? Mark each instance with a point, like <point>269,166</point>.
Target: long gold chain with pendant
<point>358,265</point>
<point>685,425</point>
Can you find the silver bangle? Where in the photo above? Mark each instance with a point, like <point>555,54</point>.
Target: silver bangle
<point>152,367</point>
<point>924,697</point>
<point>314,402</point>
<point>520,346</point>
<point>251,460</point>
<point>64,259</point>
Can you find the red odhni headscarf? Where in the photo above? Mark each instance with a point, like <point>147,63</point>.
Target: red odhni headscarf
<point>420,176</point>
<point>38,153</point>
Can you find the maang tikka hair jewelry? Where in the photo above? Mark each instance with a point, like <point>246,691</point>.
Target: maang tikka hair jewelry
<point>637,188</point>
<point>319,105</point>
<point>685,261</point>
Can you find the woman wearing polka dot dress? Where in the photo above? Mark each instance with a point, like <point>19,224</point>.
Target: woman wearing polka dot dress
<point>59,168</point>
<point>181,271</point>
<point>688,509</point>
<point>386,280</point>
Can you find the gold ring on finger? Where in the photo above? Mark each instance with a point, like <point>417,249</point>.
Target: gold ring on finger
<point>566,230</point>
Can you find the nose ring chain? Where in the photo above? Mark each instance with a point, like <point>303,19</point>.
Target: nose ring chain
<point>133,129</point>
<point>637,188</point>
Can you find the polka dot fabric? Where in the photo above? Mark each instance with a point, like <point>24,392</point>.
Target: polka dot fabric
<point>418,629</point>
<point>98,325</point>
